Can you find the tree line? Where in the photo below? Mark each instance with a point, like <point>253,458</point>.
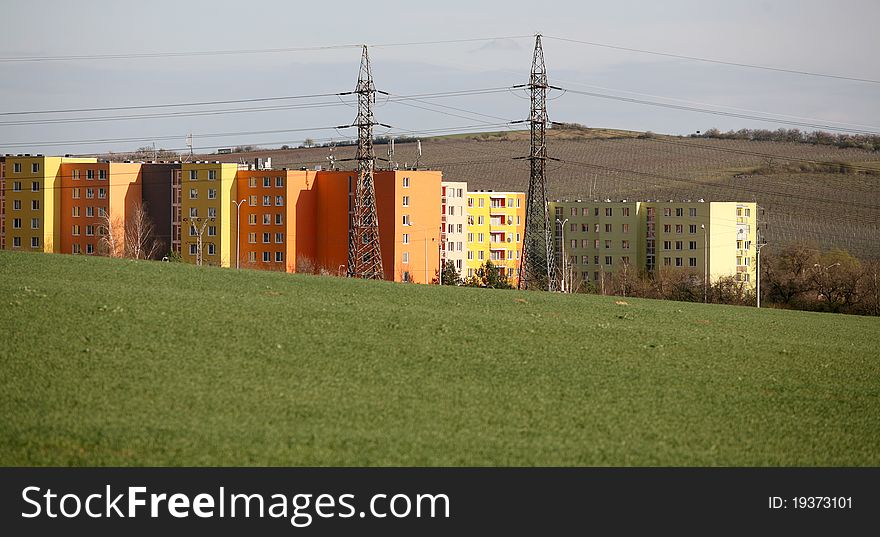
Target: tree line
<point>868,142</point>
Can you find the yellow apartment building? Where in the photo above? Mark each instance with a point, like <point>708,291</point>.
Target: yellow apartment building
<point>495,225</point>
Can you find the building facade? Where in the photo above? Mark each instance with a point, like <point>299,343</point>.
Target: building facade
<point>596,241</point>
<point>495,226</point>
<point>453,225</point>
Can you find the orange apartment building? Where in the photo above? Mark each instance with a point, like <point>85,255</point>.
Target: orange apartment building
<point>89,192</point>
<point>297,220</point>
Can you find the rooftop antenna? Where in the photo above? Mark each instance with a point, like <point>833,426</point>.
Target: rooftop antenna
<point>331,159</point>
<point>189,144</point>
<point>391,154</point>
<point>418,153</point>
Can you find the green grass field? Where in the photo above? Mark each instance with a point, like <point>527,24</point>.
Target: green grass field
<point>108,362</point>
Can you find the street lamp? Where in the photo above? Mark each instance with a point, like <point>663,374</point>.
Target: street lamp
<point>237,231</point>
<point>705,264</point>
<point>758,271</point>
<point>562,226</point>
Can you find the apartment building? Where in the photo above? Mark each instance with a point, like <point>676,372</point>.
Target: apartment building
<point>207,190</point>
<point>88,197</point>
<point>453,225</point>
<point>596,240</point>
<point>495,226</point>
<point>32,202</point>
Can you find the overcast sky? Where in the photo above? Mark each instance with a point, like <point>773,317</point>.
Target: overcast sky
<point>817,36</point>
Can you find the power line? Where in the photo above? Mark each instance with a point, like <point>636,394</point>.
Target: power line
<point>148,55</point>
<point>720,113</point>
<point>722,62</point>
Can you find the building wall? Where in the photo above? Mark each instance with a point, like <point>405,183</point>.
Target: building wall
<point>410,200</point>
<point>47,178</point>
<point>2,203</point>
<point>156,182</point>
<point>453,236</point>
<point>196,187</point>
<point>495,233</point>
<point>697,237</point>
<point>598,239</point>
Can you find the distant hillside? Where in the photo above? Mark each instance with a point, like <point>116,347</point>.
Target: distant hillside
<point>833,206</point>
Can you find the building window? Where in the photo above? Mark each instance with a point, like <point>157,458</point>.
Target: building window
<point>692,212</point>
<point>406,182</point>
<point>35,223</point>
<point>35,242</point>
<point>16,242</point>
<point>90,193</point>
<point>35,186</point>
<point>667,228</point>
<point>480,237</point>
<point>679,211</point>
<point>193,175</point>
<point>193,250</point>
<point>406,202</point>
<point>75,193</point>
<point>482,255</point>
<point>692,229</point>
<point>679,245</point>
<point>470,237</point>
<point>252,238</point>
<point>624,245</point>
<point>16,223</point>
<point>679,229</point>
<point>35,167</point>
<point>405,258</point>
<point>16,186</point>
<point>102,174</point>
<point>76,249</point>
<point>625,211</point>
<point>692,261</point>
<point>470,255</point>
<point>252,219</point>
<point>252,257</point>
<point>252,182</point>
<point>279,257</point>
<point>667,245</point>
<point>574,243</point>
<point>267,219</point>
<point>76,212</point>
<point>101,212</point>
<point>279,238</point>
<point>102,193</point>
<point>267,238</point>
<point>608,243</point>
<point>212,212</point>
<point>692,245</point>
<point>252,201</point>
<point>267,201</point>
<point>212,231</point>
<point>193,194</point>
<point>16,168</point>
<point>35,205</point>
<point>74,174</point>
<point>279,219</point>
<point>192,230</point>
<point>212,193</point>
<point>678,262</point>
<point>212,175</point>
<point>90,248</point>
<point>90,174</point>
<point>267,182</point>
<point>667,211</point>
<point>75,230</point>
<point>193,212</point>
<point>585,260</point>
<point>482,203</point>
<point>279,182</point>
<point>608,260</point>
<point>406,219</point>
<point>90,230</point>
<point>607,228</point>
<point>406,238</point>
<point>624,228</point>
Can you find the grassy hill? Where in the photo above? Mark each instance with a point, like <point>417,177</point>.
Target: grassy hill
<point>112,362</point>
<point>803,202</point>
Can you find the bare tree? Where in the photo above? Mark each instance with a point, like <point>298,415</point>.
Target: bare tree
<point>140,240</point>
<point>112,232</point>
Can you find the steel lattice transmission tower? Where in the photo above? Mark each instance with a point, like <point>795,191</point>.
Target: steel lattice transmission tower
<point>364,253</point>
<point>537,267</point>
